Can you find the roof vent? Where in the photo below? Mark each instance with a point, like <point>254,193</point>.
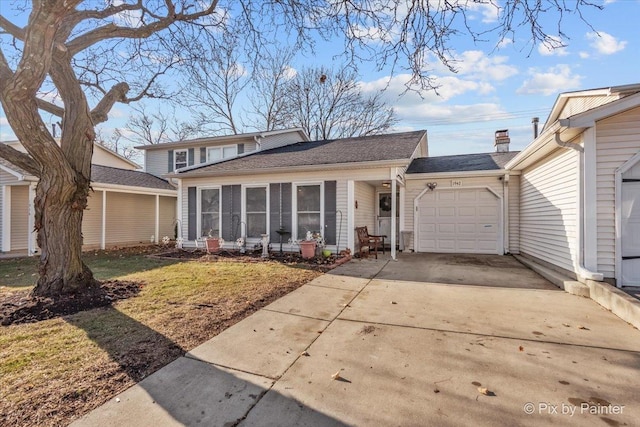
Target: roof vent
<point>502,141</point>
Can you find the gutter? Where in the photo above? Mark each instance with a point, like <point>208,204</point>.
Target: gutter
<point>582,271</point>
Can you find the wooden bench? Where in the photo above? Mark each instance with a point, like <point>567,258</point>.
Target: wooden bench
<point>369,241</point>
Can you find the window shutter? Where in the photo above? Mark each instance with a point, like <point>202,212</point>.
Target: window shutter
<point>203,154</point>
<point>170,168</point>
<point>286,210</point>
<point>192,213</point>
<point>191,156</point>
<point>330,212</point>
<point>231,215</point>
<point>240,148</point>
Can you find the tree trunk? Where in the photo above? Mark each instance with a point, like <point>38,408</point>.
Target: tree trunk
<point>59,204</point>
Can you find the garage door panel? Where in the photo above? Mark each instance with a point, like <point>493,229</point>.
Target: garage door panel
<point>465,220</point>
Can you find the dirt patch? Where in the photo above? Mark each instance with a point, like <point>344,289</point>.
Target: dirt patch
<point>22,307</point>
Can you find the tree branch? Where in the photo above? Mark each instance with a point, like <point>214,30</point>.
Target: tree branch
<point>50,107</point>
<point>20,159</point>
<point>117,93</point>
<point>11,28</point>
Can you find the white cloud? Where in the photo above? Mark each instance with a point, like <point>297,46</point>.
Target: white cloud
<point>584,55</point>
<point>290,72</point>
<point>552,81</point>
<point>477,64</point>
<point>553,46</point>
<point>490,12</point>
<point>605,43</point>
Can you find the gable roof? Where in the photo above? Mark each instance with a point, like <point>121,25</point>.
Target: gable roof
<point>222,138</point>
<point>461,163</point>
<point>109,175</point>
<point>398,147</point>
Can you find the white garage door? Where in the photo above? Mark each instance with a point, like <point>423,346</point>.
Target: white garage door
<point>631,233</point>
<point>464,220</point>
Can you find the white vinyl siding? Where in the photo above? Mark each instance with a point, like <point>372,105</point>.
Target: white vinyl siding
<point>548,209</point>
<point>618,139</point>
<point>130,218</point>
<point>92,221</point>
<point>156,162</point>
<point>279,140</point>
<point>581,104</point>
<point>514,214</point>
<point>7,178</point>
<point>365,213</point>
<point>19,217</point>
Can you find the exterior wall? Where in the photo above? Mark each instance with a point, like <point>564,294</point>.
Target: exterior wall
<point>415,186</point>
<point>130,218</point>
<point>103,157</point>
<point>167,217</point>
<point>548,209</point>
<point>19,217</point>
<point>365,213</point>
<point>514,214</point>
<point>584,103</point>
<point>156,162</point>
<point>279,140</point>
<point>7,178</point>
<point>92,221</point>
<point>617,140</point>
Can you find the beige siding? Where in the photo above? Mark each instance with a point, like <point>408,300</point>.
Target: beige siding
<point>92,221</point>
<point>19,217</point>
<point>167,216</point>
<point>249,147</point>
<point>130,218</point>
<point>581,104</point>
<point>7,178</point>
<point>548,209</point>
<point>104,157</point>
<point>514,214</point>
<point>280,140</point>
<point>415,186</point>
<point>156,162</point>
<point>365,213</point>
<point>617,140</point>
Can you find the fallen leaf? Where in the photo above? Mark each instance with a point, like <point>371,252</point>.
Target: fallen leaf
<point>435,390</point>
<point>118,399</point>
<point>583,327</point>
<point>304,353</point>
<point>566,325</point>
<point>393,302</point>
<point>521,348</point>
<point>336,376</point>
<point>483,390</point>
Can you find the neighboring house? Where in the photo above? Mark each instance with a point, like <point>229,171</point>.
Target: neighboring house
<point>161,159</point>
<point>580,187</point>
<point>126,206</point>
<point>319,186</point>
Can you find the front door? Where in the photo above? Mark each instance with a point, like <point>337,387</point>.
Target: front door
<point>630,233</point>
<point>384,216</point>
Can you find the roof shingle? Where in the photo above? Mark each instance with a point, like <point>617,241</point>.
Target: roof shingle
<point>109,175</point>
<point>398,146</point>
<point>461,163</point>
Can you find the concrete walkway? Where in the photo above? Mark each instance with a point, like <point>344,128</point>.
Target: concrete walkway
<point>409,350</point>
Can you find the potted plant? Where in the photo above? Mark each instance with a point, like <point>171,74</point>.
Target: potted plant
<point>213,244</point>
<point>308,246</point>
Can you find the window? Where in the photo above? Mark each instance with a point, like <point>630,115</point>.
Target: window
<point>256,210</point>
<point>219,153</point>
<point>210,212</point>
<point>308,209</point>
<point>180,159</point>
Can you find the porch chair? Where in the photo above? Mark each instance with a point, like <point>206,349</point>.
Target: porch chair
<point>369,241</point>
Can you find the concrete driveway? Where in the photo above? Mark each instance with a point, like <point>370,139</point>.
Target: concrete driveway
<point>425,340</point>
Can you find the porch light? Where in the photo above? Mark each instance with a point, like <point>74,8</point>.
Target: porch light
<point>386,184</point>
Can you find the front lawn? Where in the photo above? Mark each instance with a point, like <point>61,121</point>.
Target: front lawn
<point>56,370</point>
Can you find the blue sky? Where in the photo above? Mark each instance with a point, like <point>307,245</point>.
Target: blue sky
<point>496,87</point>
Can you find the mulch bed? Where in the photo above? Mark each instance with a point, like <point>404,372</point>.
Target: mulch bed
<point>23,307</point>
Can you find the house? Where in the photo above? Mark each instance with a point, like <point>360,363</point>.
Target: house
<point>126,206</point>
<point>580,187</point>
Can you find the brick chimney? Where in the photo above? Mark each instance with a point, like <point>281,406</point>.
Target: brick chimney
<point>502,141</point>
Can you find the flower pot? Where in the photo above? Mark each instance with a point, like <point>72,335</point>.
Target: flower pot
<point>213,245</point>
<point>308,249</point>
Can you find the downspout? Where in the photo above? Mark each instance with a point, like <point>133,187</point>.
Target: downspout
<point>582,271</point>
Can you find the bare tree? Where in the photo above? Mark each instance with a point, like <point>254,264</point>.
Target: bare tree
<point>329,104</point>
<point>147,128</point>
<point>95,54</point>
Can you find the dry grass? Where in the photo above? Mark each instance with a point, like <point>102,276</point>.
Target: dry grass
<point>56,370</point>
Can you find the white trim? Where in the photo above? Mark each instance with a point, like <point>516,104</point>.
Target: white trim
<point>590,202</point>
<point>243,208</point>
<point>394,208</point>
<point>294,206</point>
<point>199,208</point>
<point>589,117</point>
<point>10,171</point>
<point>351,219</point>
<point>402,208</point>
<point>221,148</point>
<point>175,158</point>
<point>6,218</point>
<point>116,188</point>
<point>618,217</point>
<point>103,236</point>
<point>460,174</point>
<point>31,244</point>
<point>501,224</point>
<point>506,244</point>
<point>157,219</point>
<point>179,209</point>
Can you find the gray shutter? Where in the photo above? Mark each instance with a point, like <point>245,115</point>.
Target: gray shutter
<point>203,154</point>
<point>192,213</point>
<point>191,156</point>
<point>231,206</point>
<point>240,148</point>
<point>170,168</point>
<point>330,212</point>
<point>286,208</point>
